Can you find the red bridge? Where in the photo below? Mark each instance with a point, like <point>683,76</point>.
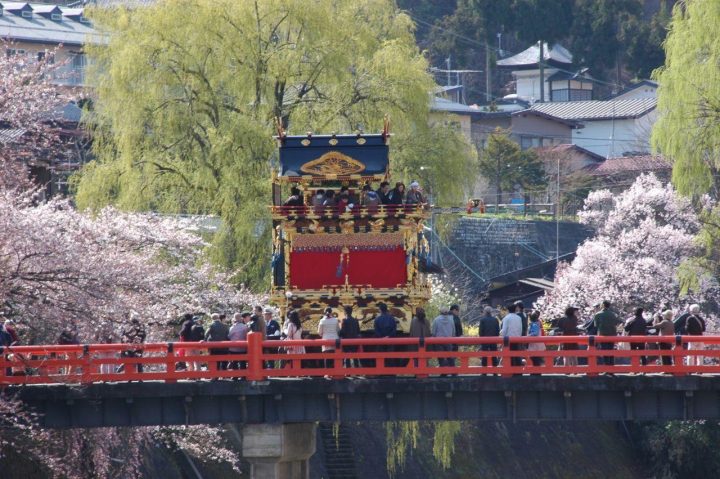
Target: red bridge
<point>401,357</point>
<point>97,385</point>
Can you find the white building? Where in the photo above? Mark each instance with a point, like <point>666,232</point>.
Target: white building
<point>34,30</point>
<point>560,82</point>
<point>612,128</point>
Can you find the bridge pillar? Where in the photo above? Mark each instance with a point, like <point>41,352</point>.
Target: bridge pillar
<point>279,451</point>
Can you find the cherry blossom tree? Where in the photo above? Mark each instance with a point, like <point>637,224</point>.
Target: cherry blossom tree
<point>61,268</point>
<point>642,237</point>
<point>28,100</point>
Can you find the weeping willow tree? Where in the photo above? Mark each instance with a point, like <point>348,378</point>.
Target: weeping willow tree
<point>187,92</point>
<point>402,438</point>
<point>688,128</point>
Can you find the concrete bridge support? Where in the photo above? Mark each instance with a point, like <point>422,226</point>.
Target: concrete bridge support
<point>279,451</point>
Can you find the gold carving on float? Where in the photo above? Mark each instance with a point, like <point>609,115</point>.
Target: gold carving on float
<point>333,141</point>
<point>305,142</point>
<point>361,141</point>
<point>333,163</point>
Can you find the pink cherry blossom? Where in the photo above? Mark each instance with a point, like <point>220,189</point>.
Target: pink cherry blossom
<point>642,236</point>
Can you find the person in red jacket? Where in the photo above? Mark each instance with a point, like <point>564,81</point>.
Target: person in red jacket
<point>10,329</point>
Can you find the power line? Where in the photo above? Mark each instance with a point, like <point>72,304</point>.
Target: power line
<point>485,44</point>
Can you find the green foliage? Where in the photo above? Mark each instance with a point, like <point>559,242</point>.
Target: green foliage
<point>401,437</point>
<point>505,165</point>
<point>596,31</point>
<point>688,129</point>
<point>642,42</point>
<point>187,92</point>
<point>686,449</point>
<point>444,441</point>
<point>542,20</point>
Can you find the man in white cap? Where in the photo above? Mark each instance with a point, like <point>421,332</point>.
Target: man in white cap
<point>415,195</point>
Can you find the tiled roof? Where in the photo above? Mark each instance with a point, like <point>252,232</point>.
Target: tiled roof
<point>568,148</point>
<point>9,135</point>
<point>629,164</point>
<point>548,116</point>
<point>69,30</point>
<point>555,55</point>
<point>634,86</point>
<point>597,109</point>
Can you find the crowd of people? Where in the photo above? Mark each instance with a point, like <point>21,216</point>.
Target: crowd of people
<point>516,321</point>
<point>605,323</point>
<point>345,199</point>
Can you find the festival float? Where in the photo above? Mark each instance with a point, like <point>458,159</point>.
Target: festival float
<point>355,254</point>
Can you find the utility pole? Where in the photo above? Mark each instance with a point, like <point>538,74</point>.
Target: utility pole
<point>488,78</point>
<point>542,71</point>
<point>447,62</point>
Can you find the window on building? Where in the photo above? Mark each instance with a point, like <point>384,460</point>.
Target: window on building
<point>14,51</point>
<point>27,14</point>
<point>529,141</point>
<point>56,17</point>
<point>570,94</point>
<point>50,57</point>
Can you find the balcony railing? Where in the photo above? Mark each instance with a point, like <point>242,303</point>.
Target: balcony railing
<point>380,211</point>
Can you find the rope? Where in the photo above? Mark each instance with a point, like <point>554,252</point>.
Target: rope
<point>457,257</point>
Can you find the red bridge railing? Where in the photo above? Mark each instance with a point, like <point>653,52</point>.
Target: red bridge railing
<point>406,357</point>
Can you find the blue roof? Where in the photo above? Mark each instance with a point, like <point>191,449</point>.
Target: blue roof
<point>442,104</point>
<point>70,29</point>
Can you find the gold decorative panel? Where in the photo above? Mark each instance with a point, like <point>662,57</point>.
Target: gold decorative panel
<point>333,163</point>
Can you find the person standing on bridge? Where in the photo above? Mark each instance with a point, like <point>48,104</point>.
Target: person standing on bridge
<point>455,312</point>
<point>637,326</point>
<point>443,326</point>
<point>329,329</point>
<point>293,331</point>
<point>665,327</point>
<point>385,327</point>
<point>272,332</point>
<point>258,324</point>
<point>9,326</point>
<point>217,332</point>
<point>350,329</point>
<point>135,334</point>
<point>568,325</point>
<point>606,322</point>
<point>695,326</point>
<point>489,327</point>
<point>512,327</point>
<point>419,328</point>
<point>535,330</point>
<point>238,332</point>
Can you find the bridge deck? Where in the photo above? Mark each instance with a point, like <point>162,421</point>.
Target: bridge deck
<point>621,397</point>
<point>396,379</point>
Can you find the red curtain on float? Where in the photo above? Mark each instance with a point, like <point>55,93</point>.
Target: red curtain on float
<point>379,268</point>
